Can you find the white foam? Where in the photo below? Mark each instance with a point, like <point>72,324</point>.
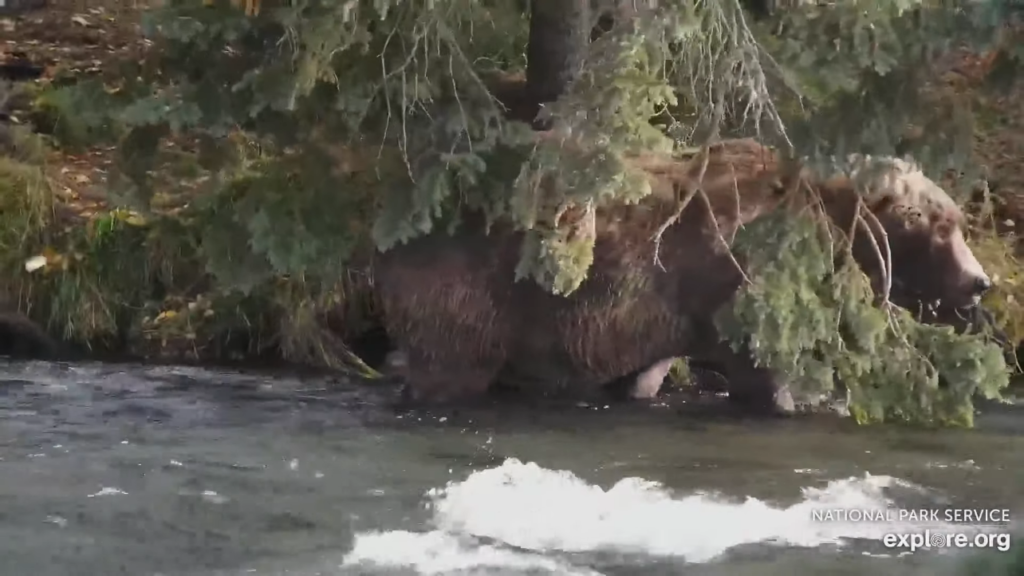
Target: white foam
<point>439,552</point>
<point>107,491</point>
<point>539,511</point>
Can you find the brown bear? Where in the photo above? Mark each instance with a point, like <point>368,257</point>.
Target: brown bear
<point>22,338</point>
<point>452,306</point>
<point>929,256</point>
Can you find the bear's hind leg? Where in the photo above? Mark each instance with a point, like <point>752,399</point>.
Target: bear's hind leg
<point>433,383</point>
<point>648,382</point>
<point>643,384</point>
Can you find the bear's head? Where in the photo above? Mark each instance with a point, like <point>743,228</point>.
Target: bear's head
<point>924,227</point>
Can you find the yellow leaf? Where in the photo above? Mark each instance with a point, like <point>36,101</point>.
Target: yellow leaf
<point>134,220</point>
<point>165,315</point>
<point>35,263</point>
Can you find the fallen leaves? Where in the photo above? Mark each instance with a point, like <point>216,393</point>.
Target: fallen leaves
<point>50,259</point>
<point>35,263</point>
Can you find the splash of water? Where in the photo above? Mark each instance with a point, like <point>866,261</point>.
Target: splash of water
<point>534,511</point>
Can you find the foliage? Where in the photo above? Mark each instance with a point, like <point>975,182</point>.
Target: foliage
<point>814,322</point>
<point>843,61</point>
<point>410,79</point>
<point>26,206</point>
<point>118,282</point>
<point>84,272</point>
<point>995,217</point>
<point>59,112</point>
<point>705,53</point>
<point>681,374</point>
<point>1006,299</point>
<point>241,239</point>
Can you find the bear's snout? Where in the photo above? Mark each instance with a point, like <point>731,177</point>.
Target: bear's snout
<point>974,280</point>
<point>982,284</point>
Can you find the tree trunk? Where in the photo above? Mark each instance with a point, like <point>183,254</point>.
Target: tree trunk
<point>559,36</point>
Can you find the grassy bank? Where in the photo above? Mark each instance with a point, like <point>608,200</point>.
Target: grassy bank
<point>110,281</point>
<point>180,271</point>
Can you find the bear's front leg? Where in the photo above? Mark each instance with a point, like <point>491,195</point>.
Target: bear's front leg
<point>752,387</point>
<point>643,384</point>
<point>648,382</point>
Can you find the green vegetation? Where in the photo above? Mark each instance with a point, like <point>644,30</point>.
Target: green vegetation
<point>810,321</point>
<point>263,155</point>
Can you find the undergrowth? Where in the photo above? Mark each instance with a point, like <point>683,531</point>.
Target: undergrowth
<point>997,253</point>
<point>118,281</point>
<point>995,242</point>
<point>26,211</point>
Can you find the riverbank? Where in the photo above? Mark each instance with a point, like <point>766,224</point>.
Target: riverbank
<point>118,283</point>
<point>111,278</point>
<point>186,270</point>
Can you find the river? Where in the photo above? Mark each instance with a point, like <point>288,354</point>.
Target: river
<point>122,469</point>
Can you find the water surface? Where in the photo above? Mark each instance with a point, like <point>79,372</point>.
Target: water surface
<point>139,470</point>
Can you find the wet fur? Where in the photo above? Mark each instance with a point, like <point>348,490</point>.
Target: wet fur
<point>452,304</point>
<point>22,338</point>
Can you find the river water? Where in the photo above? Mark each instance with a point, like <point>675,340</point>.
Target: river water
<point>120,469</point>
